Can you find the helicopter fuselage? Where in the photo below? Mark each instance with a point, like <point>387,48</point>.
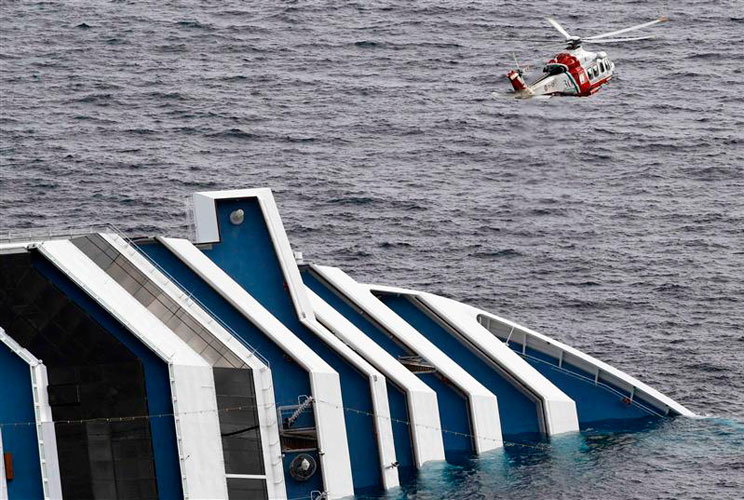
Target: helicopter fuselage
<point>575,72</point>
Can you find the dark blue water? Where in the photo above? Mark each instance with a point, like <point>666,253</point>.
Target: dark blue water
<point>614,223</point>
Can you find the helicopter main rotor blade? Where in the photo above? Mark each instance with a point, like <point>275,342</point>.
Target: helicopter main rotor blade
<point>625,30</point>
<point>559,28</point>
<point>618,40</point>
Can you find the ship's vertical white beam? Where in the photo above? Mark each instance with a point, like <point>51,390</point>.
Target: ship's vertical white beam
<point>304,310</point>
<point>558,410</point>
<point>423,409</point>
<point>207,227</point>
<point>46,437</point>
<point>45,433</point>
<point>205,219</point>
<point>483,405</point>
<point>3,480</point>
<point>262,381</point>
<point>324,380</point>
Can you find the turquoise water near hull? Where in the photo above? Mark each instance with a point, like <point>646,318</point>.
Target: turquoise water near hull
<point>655,462</point>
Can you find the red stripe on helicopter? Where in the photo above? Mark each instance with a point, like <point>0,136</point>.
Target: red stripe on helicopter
<point>596,85</point>
<point>576,71</point>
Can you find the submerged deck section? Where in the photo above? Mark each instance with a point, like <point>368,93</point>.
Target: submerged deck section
<point>602,393</point>
<point>414,410</point>
<point>528,401</point>
<point>479,420</point>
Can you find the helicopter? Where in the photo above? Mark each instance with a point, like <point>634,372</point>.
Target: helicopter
<point>575,72</point>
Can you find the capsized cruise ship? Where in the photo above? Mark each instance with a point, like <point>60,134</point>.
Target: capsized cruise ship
<point>226,367</point>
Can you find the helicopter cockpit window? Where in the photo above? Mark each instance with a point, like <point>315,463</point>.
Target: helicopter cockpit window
<point>555,69</point>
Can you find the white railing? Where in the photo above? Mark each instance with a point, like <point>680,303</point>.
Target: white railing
<point>189,295</point>
<point>42,234</point>
<point>595,375</point>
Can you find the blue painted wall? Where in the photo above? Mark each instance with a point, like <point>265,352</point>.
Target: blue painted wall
<point>518,413</point>
<point>157,382</point>
<point>19,440</point>
<point>454,415</point>
<point>290,380</point>
<point>246,252</point>
<point>596,405</point>
<point>401,433</point>
<point>315,483</point>
<point>453,406</point>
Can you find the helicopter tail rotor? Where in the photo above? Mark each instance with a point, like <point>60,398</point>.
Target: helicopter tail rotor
<point>520,69</point>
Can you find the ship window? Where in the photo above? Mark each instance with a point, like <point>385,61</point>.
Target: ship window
<point>241,437</point>
<point>601,66</point>
<point>91,375</point>
<point>241,440</point>
<point>246,488</point>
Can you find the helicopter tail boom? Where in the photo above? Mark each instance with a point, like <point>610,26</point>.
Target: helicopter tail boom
<point>515,77</point>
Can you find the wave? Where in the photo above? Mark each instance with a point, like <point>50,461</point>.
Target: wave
<point>234,133</point>
<point>193,24</point>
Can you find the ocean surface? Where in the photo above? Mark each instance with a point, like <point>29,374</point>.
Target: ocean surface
<point>614,223</point>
